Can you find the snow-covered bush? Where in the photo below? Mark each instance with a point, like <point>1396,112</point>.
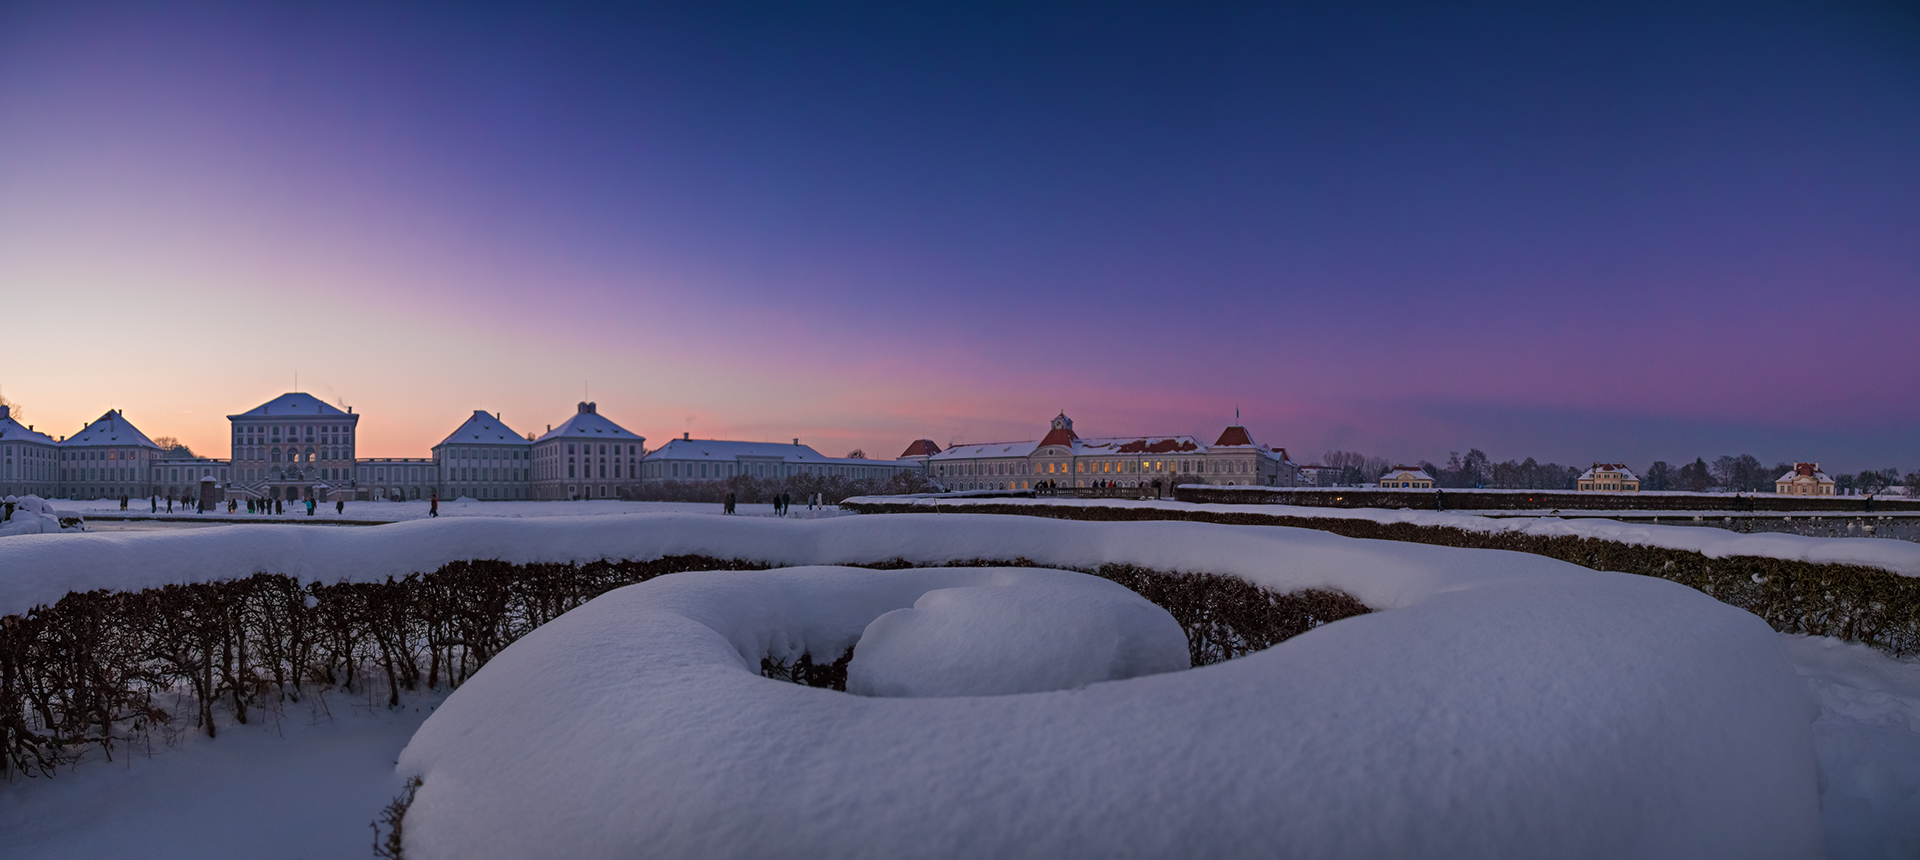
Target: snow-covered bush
<point>32,515</point>
<point>1871,605</point>
<point>1503,705</point>
<point>94,668</point>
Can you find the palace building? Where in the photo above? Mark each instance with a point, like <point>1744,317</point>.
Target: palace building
<point>295,446</point>
<point>1066,460</point>
<point>690,459</point>
<point>484,459</point>
<point>586,457</point>
<point>29,460</point>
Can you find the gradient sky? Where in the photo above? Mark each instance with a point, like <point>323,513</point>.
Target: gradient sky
<point>1573,233</point>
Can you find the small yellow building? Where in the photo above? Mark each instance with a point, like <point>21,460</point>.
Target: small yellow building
<point>1406,478</point>
<point>1806,479</point>
<point>1608,478</point>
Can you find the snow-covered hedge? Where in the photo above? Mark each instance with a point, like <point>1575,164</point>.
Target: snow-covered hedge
<point>1505,706</point>
<point>1789,580</point>
<point>100,667</point>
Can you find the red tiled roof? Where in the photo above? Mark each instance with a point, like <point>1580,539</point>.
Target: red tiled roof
<point>921,448</point>
<point>1235,435</point>
<point>1059,436</point>
<point>1157,446</point>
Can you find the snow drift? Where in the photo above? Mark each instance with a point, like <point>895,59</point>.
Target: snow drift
<point>1047,630</point>
<point>1504,705</point>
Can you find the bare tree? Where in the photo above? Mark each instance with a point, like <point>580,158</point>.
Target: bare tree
<point>172,447</point>
<point>14,409</point>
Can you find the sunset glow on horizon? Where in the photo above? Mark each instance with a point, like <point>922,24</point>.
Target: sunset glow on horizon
<point>1659,233</point>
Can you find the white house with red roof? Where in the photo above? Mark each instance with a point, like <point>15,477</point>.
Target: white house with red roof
<point>1608,478</point>
<point>1063,459</point>
<point>1406,478</point>
<point>1805,479</point>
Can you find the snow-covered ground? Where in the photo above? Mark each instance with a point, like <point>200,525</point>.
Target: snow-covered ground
<point>308,787</point>
<point>304,786</point>
<point>397,512</point>
<point>1526,697</point>
<point>1899,556</point>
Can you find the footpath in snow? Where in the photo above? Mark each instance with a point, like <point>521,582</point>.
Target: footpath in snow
<point>1902,557</point>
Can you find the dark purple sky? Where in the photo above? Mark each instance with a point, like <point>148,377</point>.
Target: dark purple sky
<point>1571,233</point>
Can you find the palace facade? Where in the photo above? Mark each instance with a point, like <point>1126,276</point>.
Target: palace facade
<point>1066,460</point>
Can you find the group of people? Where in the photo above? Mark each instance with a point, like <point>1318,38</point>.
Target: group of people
<point>781,503</point>
<point>153,503</point>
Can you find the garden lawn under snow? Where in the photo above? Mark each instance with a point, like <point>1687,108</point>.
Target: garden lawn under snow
<point>1494,704</point>
<point>1899,556</point>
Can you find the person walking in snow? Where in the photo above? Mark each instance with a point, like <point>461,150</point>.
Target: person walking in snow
<point>169,504</point>
<point>433,507</point>
<point>727,508</point>
<point>339,506</point>
<point>153,503</point>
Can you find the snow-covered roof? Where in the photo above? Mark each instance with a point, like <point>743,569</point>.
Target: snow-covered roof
<point>586,423</point>
<point>1403,473</point>
<point>290,404</point>
<point>110,429</point>
<point>1093,447</point>
<point>14,431</point>
<point>729,451</point>
<point>1615,468</point>
<point>1810,471</point>
<point>989,449</point>
<point>484,429</point>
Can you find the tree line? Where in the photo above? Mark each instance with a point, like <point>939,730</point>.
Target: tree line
<point>1732,473</point>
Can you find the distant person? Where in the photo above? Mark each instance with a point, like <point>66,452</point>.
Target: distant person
<point>727,506</point>
<point>433,507</point>
<point>169,504</point>
<point>339,506</point>
<point>153,503</point>
<point>279,506</point>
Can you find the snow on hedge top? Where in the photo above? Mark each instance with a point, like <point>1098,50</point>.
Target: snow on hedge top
<point>1513,706</point>
<point>1899,556</point>
<point>43,568</point>
<point>1063,632</point>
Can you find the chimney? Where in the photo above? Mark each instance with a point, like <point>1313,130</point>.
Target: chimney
<point>796,443</point>
<point>687,436</point>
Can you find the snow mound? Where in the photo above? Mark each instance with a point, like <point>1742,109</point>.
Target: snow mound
<point>1501,705</point>
<point>31,516</point>
<point>1022,638</point>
